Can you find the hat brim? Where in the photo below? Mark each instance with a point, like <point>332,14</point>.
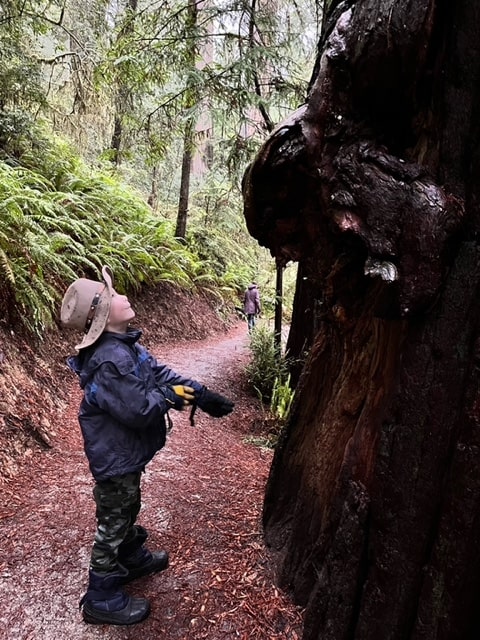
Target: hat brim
<point>100,318</point>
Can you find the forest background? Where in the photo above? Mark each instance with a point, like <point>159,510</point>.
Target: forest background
<point>125,129</point>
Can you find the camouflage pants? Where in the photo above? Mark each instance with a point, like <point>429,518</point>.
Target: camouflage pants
<point>118,503</point>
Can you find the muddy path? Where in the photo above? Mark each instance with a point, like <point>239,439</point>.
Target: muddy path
<point>202,500</point>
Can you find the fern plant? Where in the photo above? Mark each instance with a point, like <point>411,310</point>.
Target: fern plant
<point>267,367</point>
<point>282,397</point>
<point>269,376</point>
<point>58,221</point>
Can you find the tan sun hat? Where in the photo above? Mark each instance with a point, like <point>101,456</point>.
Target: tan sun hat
<point>86,306</point>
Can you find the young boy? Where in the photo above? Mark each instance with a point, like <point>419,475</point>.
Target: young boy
<point>127,395</point>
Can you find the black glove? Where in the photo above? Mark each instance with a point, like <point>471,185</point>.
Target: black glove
<point>213,403</point>
<point>177,396</point>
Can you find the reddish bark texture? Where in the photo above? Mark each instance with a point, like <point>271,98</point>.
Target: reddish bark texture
<point>373,502</point>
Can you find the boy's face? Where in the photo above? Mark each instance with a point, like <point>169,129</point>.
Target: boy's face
<point>121,313</point>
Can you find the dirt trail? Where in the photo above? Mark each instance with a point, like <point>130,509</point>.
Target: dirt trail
<point>202,499</point>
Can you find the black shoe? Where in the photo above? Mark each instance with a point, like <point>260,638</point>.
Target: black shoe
<point>106,603</point>
<point>144,563</point>
<point>136,610</point>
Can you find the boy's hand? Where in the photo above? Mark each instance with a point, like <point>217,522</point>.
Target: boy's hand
<point>187,393</point>
<point>178,396</point>
<point>213,403</point>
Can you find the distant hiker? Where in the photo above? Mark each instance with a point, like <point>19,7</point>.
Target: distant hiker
<point>123,417</point>
<point>251,305</point>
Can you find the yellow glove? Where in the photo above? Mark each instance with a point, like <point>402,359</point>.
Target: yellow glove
<point>187,393</point>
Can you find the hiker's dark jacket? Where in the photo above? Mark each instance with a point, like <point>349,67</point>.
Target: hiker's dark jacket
<point>122,413</point>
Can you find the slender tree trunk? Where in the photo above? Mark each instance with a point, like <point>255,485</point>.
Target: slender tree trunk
<point>123,102</point>
<point>253,40</point>
<point>153,196</point>
<point>278,309</point>
<point>187,157</point>
<point>191,100</point>
<point>373,500</point>
<point>116,142</point>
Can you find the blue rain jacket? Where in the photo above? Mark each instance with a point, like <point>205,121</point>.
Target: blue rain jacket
<point>125,401</point>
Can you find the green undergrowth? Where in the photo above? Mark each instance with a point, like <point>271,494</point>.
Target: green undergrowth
<point>60,219</point>
<point>268,374</point>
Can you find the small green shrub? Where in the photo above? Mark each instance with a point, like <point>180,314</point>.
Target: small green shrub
<point>267,367</point>
<point>282,397</point>
<point>262,369</point>
<point>268,373</point>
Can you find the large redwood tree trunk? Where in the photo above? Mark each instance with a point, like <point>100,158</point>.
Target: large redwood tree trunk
<point>373,500</point>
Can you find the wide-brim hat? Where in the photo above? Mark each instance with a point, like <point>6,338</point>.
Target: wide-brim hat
<point>86,306</point>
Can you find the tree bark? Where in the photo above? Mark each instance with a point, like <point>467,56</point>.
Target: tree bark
<point>277,329</point>
<point>373,500</point>
<point>184,197</point>
<point>123,97</point>
<point>191,100</point>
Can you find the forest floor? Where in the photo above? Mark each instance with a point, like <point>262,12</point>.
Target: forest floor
<point>202,501</point>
